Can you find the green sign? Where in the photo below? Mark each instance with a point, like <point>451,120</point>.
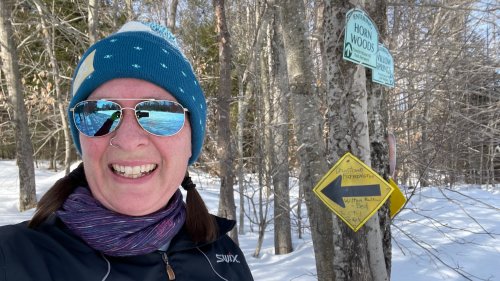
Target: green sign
<point>384,73</point>
<point>360,39</point>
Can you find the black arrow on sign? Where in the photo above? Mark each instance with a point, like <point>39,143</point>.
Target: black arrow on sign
<point>336,192</point>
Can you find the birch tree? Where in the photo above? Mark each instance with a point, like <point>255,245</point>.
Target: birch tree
<point>378,120</point>
<point>93,22</point>
<point>24,147</point>
<point>360,254</point>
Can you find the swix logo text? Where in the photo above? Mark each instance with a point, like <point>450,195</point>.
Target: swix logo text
<point>227,258</point>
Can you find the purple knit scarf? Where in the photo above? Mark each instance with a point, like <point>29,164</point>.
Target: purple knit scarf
<point>115,234</point>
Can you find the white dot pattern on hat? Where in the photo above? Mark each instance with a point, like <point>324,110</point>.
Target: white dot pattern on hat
<point>113,40</point>
<point>183,73</point>
<point>135,65</point>
<point>181,89</point>
<point>108,56</point>
<point>163,65</point>
<point>165,51</point>
<point>138,48</point>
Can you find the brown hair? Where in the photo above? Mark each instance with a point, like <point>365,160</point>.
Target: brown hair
<point>53,199</point>
<point>200,224</point>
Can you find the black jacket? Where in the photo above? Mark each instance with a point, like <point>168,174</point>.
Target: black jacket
<point>53,252</point>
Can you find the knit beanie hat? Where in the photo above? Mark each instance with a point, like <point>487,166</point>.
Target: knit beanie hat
<point>145,51</point>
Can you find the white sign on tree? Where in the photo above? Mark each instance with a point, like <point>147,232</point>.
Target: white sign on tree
<point>384,72</point>
<point>360,39</point>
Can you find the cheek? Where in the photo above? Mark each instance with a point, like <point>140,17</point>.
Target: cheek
<point>182,142</point>
<point>89,145</point>
<point>178,148</point>
<point>92,149</point>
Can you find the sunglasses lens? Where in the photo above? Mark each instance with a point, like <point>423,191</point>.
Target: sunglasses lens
<point>96,118</point>
<point>160,117</point>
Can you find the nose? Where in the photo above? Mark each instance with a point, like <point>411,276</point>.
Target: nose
<point>129,135</point>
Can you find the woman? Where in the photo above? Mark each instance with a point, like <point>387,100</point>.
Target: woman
<point>137,117</point>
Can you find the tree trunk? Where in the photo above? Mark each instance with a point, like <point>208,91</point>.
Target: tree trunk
<point>114,14</point>
<point>378,119</point>
<point>24,147</point>
<point>172,15</point>
<point>279,130</point>
<point>93,21</point>
<point>227,207</point>
<point>308,126</point>
<point>359,255</point>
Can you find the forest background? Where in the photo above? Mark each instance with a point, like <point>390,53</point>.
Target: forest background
<point>282,102</point>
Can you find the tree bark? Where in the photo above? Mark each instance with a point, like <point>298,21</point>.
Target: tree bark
<point>172,15</point>
<point>24,147</point>
<point>279,130</point>
<point>93,20</point>
<point>378,120</point>
<point>227,207</point>
<point>308,128</point>
<point>359,255</point>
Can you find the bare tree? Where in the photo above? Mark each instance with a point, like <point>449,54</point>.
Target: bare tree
<point>129,9</point>
<point>360,254</point>
<point>93,20</point>
<point>24,147</point>
<point>172,15</point>
<point>378,120</point>
<point>56,77</point>
<point>307,121</point>
<point>227,207</point>
<point>279,112</point>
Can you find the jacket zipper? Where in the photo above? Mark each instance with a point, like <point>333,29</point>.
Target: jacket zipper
<point>170,270</point>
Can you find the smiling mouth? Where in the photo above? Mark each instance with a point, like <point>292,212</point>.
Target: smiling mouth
<point>133,172</point>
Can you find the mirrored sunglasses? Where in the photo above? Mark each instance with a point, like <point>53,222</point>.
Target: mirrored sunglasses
<point>95,118</point>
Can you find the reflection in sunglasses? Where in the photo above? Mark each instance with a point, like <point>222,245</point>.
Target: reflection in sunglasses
<point>157,117</point>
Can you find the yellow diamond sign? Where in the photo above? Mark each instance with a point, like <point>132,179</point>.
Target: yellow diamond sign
<point>353,191</point>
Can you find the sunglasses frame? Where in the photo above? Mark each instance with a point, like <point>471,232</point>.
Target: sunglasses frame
<point>113,100</point>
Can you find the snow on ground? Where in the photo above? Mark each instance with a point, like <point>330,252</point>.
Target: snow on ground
<point>441,234</point>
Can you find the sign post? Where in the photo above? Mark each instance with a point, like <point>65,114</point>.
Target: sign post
<point>360,39</point>
<point>384,72</point>
<point>353,191</point>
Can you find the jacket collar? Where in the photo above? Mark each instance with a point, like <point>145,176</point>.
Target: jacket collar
<point>182,241</point>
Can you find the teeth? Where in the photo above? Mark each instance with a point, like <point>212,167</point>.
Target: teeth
<point>133,171</point>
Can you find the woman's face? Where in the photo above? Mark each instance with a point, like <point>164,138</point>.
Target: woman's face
<point>162,160</point>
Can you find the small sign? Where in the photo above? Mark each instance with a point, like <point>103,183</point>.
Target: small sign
<point>353,191</point>
<point>384,72</point>
<point>397,199</point>
<point>360,39</point>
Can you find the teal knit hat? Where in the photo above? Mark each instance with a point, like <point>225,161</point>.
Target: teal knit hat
<point>145,51</point>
